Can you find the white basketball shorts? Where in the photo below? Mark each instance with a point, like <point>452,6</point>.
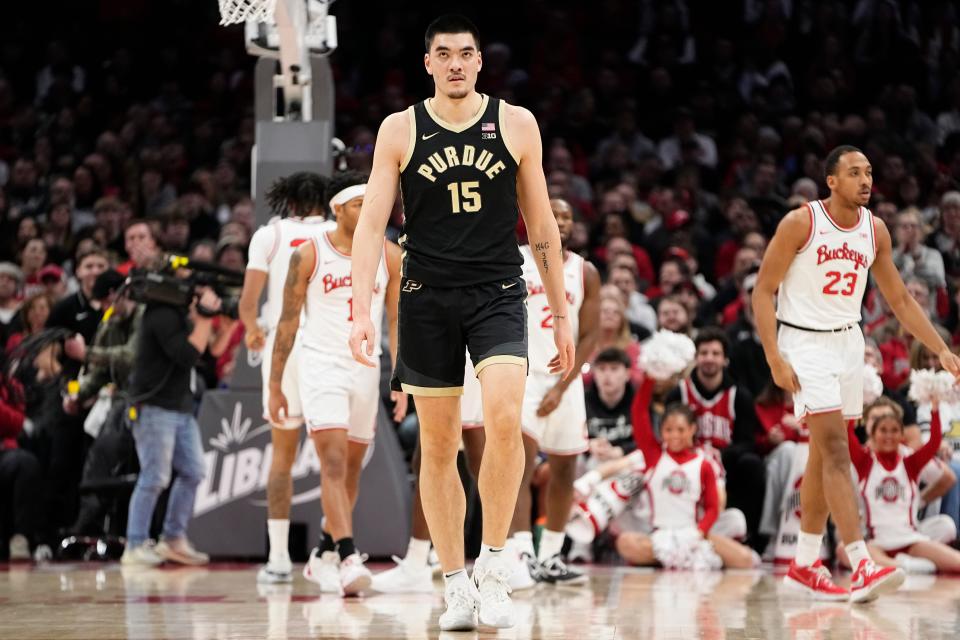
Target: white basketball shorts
<point>289,384</point>
<point>471,403</point>
<point>829,367</point>
<point>564,430</point>
<point>339,393</point>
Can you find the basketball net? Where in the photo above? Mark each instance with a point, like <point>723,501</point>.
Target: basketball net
<point>237,11</point>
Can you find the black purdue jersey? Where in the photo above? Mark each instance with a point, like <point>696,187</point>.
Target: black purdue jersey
<point>459,190</point>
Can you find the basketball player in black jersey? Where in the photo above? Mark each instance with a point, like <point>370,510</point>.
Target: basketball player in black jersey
<point>464,161</point>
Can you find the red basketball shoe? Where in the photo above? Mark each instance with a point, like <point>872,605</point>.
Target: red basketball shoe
<point>816,581</point>
<point>870,581</point>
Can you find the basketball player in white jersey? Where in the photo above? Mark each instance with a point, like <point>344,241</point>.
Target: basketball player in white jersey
<point>554,414</point>
<point>298,201</point>
<point>819,260</point>
<point>339,396</point>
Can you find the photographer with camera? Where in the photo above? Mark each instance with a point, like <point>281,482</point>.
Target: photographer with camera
<point>103,383</point>
<point>166,433</point>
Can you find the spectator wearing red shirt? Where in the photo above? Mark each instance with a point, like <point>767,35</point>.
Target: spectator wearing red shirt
<point>673,272</point>
<point>619,246</point>
<point>741,220</point>
<point>775,412</point>
<point>20,478</point>
<point>33,316</point>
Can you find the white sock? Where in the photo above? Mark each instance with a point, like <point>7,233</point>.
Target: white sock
<point>551,543</point>
<point>278,532</point>
<point>487,552</point>
<point>524,542</point>
<point>455,577</point>
<point>857,552</point>
<point>911,564</point>
<point>808,548</point>
<point>418,553</point>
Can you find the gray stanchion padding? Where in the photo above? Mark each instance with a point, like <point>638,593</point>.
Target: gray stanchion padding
<point>230,511</point>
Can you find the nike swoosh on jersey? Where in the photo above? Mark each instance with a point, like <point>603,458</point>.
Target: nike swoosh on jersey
<point>507,286</point>
<point>425,137</point>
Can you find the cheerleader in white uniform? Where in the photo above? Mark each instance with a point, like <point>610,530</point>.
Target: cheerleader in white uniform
<point>681,485</point>
<point>888,483</point>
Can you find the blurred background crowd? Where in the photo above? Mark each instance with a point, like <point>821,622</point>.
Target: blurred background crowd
<point>680,132</point>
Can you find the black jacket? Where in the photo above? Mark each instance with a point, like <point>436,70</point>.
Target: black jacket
<point>165,359</point>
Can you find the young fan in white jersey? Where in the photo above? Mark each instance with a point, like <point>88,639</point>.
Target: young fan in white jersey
<point>554,414</point>
<point>339,396</point>
<point>298,200</point>
<point>819,260</point>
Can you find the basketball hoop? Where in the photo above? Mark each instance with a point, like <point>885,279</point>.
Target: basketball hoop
<point>293,32</point>
<point>237,11</point>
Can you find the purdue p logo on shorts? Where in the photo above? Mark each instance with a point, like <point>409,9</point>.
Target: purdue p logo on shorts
<point>411,285</point>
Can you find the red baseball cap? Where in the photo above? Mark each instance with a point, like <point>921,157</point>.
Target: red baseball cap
<point>677,219</point>
<point>50,272</point>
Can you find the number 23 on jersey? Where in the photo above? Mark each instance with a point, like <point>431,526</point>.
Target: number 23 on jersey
<point>835,287</point>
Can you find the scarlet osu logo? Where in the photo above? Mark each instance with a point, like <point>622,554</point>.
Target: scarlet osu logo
<point>676,483</point>
<point>889,490</point>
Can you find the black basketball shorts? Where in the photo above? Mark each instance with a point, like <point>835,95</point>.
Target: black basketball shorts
<point>437,325</point>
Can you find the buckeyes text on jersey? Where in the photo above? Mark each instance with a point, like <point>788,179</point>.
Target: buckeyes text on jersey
<point>328,307</point>
<point>824,285</point>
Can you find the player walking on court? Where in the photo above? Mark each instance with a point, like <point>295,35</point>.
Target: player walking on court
<point>339,396</point>
<point>554,412</point>
<point>298,199</point>
<point>464,162</point>
<point>819,260</point>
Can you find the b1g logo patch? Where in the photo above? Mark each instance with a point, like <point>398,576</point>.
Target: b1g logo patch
<point>487,131</point>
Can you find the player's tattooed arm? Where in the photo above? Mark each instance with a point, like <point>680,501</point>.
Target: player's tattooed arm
<point>542,249</point>
<point>294,292</point>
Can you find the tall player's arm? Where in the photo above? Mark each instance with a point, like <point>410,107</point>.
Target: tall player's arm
<point>913,318</point>
<point>542,231</point>
<point>381,193</point>
<point>589,325</point>
<point>254,279</point>
<point>302,263</point>
<point>394,255</point>
<point>791,235</point>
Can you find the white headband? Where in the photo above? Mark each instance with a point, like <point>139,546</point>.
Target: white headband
<point>348,194</point>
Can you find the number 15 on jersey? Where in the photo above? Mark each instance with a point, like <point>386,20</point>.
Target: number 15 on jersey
<point>464,196</point>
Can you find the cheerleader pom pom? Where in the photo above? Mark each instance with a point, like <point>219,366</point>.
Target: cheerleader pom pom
<point>666,354</point>
<point>927,385</point>
<point>684,549</point>
<point>872,384</point>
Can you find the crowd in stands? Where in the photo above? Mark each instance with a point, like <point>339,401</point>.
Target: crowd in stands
<point>680,133</point>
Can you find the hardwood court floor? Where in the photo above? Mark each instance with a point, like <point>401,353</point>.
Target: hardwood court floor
<point>70,602</point>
